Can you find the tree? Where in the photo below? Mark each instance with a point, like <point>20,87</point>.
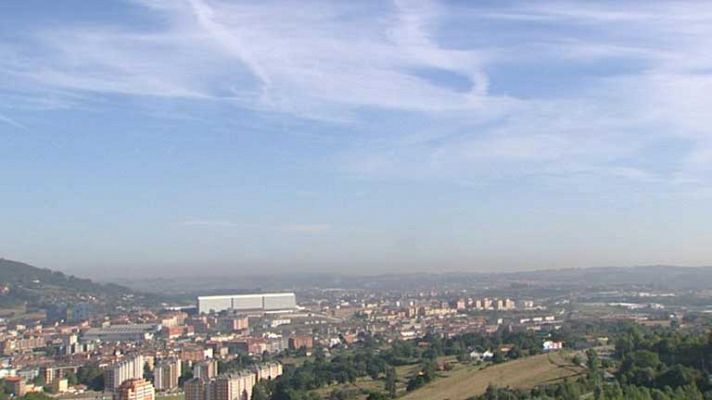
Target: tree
<point>147,372</point>
<point>376,396</point>
<point>92,376</point>
<point>391,379</point>
<point>186,376</point>
<point>498,357</point>
<point>677,376</point>
<point>259,392</point>
<point>71,378</point>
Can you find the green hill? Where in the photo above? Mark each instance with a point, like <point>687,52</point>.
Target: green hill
<point>24,284</point>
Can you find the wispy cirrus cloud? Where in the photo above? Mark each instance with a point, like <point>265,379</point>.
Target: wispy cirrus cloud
<point>313,62</point>
<point>424,84</point>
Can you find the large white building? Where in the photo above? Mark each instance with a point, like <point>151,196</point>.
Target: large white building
<point>122,333</point>
<point>247,302</point>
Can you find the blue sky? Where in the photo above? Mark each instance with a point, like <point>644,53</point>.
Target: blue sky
<point>359,137</point>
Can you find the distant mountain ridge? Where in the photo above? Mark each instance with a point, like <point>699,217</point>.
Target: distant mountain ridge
<point>671,277</point>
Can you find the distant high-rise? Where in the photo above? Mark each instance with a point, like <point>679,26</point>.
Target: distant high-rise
<point>167,373</point>
<point>194,389</point>
<point>267,371</point>
<point>247,302</point>
<point>232,386</point>
<point>128,368</point>
<point>224,387</point>
<point>205,369</point>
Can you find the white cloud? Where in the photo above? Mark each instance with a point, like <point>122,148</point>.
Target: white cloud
<point>339,61</point>
<point>314,61</point>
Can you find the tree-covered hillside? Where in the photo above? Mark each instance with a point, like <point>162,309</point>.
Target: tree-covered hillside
<point>22,283</point>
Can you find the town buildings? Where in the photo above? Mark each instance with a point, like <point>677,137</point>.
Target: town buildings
<point>301,341</point>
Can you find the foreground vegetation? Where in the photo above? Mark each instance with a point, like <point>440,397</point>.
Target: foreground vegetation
<point>655,363</point>
<point>648,364</point>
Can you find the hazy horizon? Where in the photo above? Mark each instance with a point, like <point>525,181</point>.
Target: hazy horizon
<point>154,137</point>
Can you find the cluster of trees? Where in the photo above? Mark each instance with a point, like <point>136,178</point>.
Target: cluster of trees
<point>29,396</point>
<point>90,375</point>
<point>651,365</point>
<point>371,358</point>
<point>242,361</point>
<point>664,359</point>
<point>578,390</point>
<point>344,367</point>
<point>648,364</point>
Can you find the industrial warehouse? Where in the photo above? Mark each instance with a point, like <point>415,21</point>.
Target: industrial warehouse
<point>265,302</point>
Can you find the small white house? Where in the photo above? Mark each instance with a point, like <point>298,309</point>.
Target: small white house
<point>484,356</point>
<point>551,345</point>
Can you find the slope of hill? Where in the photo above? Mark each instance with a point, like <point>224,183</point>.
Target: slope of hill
<point>25,284</point>
<point>524,373</point>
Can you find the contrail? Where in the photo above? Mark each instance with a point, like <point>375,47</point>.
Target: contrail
<point>12,122</point>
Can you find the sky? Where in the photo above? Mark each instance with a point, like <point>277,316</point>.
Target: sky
<point>153,137</point>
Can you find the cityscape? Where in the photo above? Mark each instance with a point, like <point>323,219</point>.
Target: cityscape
<point>456,337</point>
<point>355,200</point>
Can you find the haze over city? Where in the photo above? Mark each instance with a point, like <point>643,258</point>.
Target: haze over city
<point>354,137</point>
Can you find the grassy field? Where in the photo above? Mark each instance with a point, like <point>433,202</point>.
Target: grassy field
<point>523,373</point>
<point>404,372</point>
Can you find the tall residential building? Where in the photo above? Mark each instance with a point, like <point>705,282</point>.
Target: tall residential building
<point>505,304</point>
<point>233,387</point>
<point>234,323</point>
<point>51,373</point>
<point>129,368</point>
<point>194,389</point>
<point>247,302</point>
<point>509,304</point>
<point>167,373</point>
<point>207,369</point>
<point>268,371</point>
<point>135,389</point>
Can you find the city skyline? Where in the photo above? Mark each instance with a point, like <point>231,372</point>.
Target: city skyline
<point>165,136</point>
